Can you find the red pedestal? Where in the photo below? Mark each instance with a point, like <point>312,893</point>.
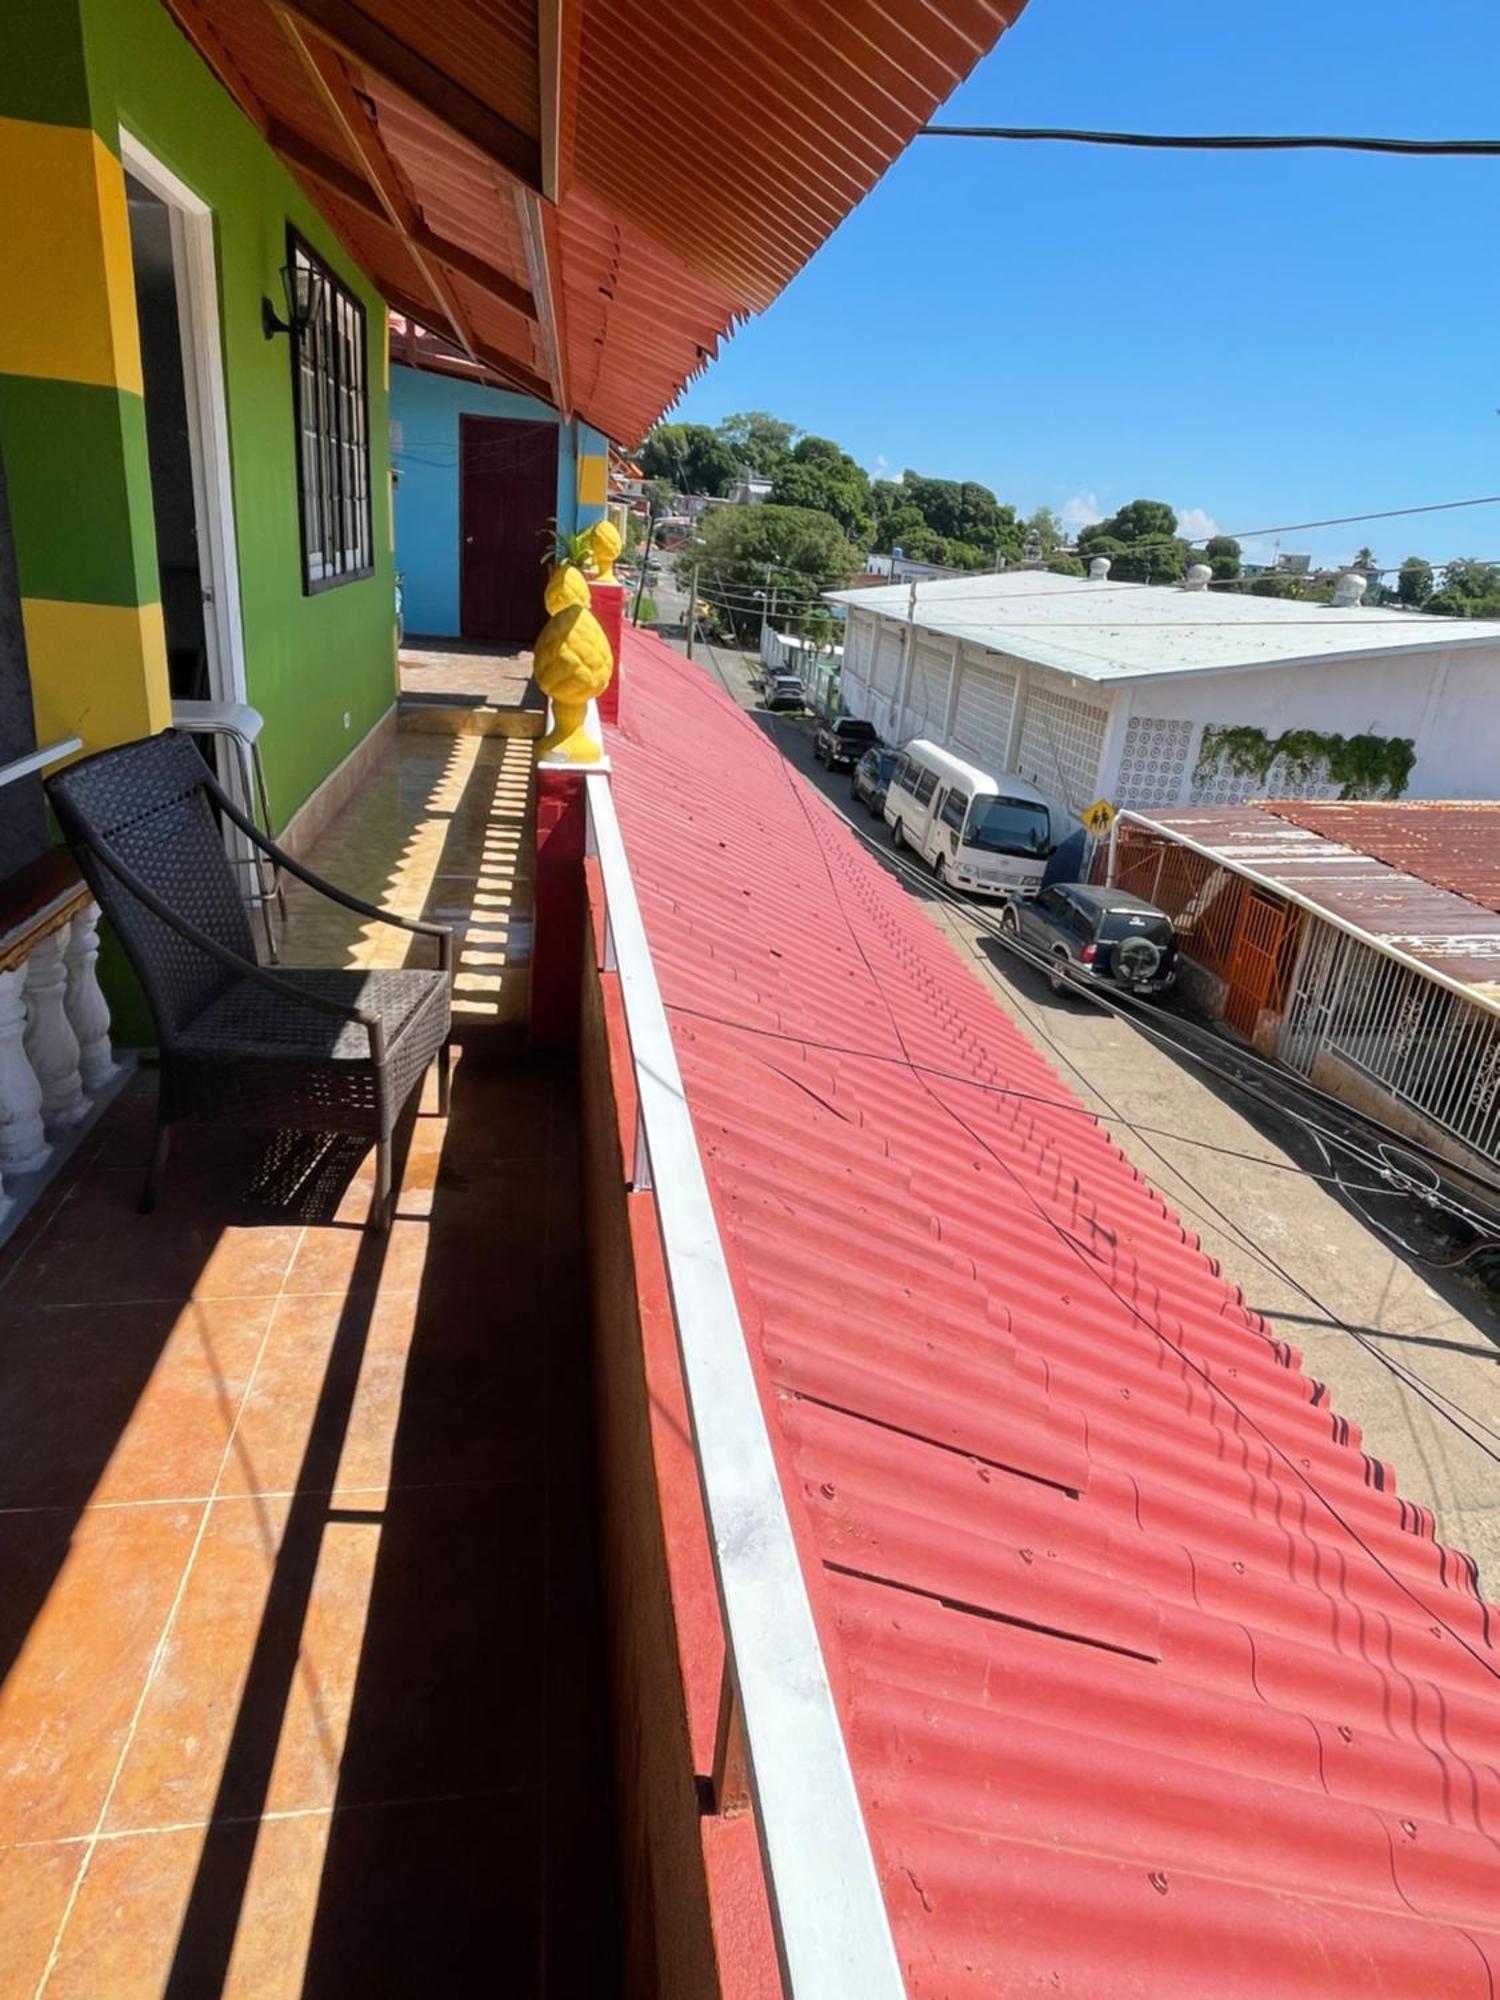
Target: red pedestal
<point>609,609</point>
<point>557,939</point>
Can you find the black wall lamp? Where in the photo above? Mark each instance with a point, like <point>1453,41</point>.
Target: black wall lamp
<point>303,286</point>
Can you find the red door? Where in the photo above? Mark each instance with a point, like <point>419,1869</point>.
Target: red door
<point>507,497</point>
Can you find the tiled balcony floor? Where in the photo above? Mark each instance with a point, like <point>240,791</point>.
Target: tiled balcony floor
<point>450,676</point>
<point>298,1613</point>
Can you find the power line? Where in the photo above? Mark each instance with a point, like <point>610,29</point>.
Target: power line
<point>1225,142</point>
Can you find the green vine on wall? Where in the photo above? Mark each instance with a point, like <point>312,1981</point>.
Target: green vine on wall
<point>1363,767</point>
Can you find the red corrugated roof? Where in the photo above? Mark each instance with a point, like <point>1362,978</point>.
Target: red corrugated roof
<point>1152,1684</point>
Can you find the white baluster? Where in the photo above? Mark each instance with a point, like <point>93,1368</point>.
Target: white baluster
<point>23,1143</point>
<point>51,1045</point>
<point>87,1008</point>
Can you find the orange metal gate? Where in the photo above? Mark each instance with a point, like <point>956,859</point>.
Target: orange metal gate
<point>1254,961</point>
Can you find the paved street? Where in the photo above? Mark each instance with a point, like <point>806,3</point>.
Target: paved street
<point>1299,1253</point>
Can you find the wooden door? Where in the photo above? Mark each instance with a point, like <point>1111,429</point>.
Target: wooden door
<point>507,497</point>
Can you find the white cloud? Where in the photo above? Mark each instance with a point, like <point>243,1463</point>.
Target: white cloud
<point>881,469</point>
<point>1194,524</point>
<point>1081,511</point>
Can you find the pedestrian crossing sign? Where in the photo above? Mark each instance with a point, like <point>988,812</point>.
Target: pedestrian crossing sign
<point>1099,817</point>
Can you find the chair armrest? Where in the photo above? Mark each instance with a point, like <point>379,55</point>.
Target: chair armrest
<point>442,932</point>
<point>294,996</point>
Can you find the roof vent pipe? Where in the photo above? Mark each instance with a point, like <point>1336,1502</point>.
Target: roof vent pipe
<point>1199,577</point>
<point>1099,568</point>
<point>1350,589</point>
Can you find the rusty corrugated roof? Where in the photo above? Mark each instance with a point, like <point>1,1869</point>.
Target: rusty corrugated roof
<point>1451,843</point>
<point>1153,1686</point>
<point>697,157</point>
<point>1457,935</point>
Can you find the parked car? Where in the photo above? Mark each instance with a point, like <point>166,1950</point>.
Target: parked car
<point>870,777</point>
<point>840,743</point>
<point>782,691</point>
<point>1093,935</point>
<point>991,835</point>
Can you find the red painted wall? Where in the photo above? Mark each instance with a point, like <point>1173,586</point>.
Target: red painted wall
<point>696,1919</point>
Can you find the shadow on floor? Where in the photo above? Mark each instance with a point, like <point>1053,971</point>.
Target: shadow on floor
<point>472,1821</point>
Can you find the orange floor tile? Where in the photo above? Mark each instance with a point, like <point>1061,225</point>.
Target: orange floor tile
<point>299,1626</point>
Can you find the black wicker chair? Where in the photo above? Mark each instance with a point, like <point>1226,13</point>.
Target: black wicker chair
<point>241,1043</point>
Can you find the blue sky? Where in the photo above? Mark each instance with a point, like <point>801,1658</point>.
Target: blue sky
<point>1264,338</point>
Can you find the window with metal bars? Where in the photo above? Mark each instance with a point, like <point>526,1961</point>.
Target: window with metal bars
<point>333,431</point>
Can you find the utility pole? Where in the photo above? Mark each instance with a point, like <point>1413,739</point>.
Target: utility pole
<point>767,607</point>
<point>635,613</point>
<point>692,609</point>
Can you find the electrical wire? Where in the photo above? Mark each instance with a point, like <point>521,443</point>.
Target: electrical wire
<point>1225,142</point>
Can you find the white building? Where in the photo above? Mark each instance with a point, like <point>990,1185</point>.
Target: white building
<point>1095,689</point>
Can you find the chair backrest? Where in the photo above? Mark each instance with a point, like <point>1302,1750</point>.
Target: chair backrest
<point>149,805</point>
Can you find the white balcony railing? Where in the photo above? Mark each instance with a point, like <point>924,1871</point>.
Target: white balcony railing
<point>777,1711</point>
<point>55,1056</point>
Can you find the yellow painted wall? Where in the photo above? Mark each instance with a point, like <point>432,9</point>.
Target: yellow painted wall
<point>98,671</point>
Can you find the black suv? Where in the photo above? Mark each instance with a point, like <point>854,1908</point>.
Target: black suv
<point>841,743</point>
<point>1093,935</point>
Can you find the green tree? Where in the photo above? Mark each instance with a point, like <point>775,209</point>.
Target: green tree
<point>759,440</point>
<point>1046,530</point>
<point>1282,583</point>
<point>1470,589</point>
<point>1367,564</point>
<point>690,458</point>
<point>1414,583</point>
<point>823,478</point>
<point>1223,556</point>
<point>745,551</point>
<point>957,523</point>
<point>1143,544</point>
<point>1065,563</point>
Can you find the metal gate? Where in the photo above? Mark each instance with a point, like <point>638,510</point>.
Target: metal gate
<point>1253,961</point>
<point>1305,1028</point>
<point>1423,1043</point>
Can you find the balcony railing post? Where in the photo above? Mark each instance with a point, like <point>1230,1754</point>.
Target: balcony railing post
<point>51,1045</point>
<point>87,1009</point>
<point>731,1765</point>
<point>23,1141</point>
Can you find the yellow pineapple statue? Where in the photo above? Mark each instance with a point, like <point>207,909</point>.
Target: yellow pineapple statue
<point>604,547</point>
<point>571,664</point>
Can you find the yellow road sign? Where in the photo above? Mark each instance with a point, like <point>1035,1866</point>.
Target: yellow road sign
<point>1099,817</point>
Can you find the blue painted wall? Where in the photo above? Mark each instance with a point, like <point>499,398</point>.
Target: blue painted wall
<point>425,409</point>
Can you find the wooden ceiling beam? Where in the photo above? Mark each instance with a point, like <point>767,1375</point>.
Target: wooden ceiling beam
<point>350,31</point>
<point>357,129</point>
<point>300,152</point>
<point>542,269</point>
<point>549,71</point>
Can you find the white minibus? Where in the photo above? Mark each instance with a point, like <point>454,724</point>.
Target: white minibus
<point>981,833</point>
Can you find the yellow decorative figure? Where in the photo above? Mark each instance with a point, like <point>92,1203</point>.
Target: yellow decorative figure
<point>605,546</point>
<point>571,665</point>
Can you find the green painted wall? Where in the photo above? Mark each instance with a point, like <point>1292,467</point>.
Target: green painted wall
<point>309,661</point>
